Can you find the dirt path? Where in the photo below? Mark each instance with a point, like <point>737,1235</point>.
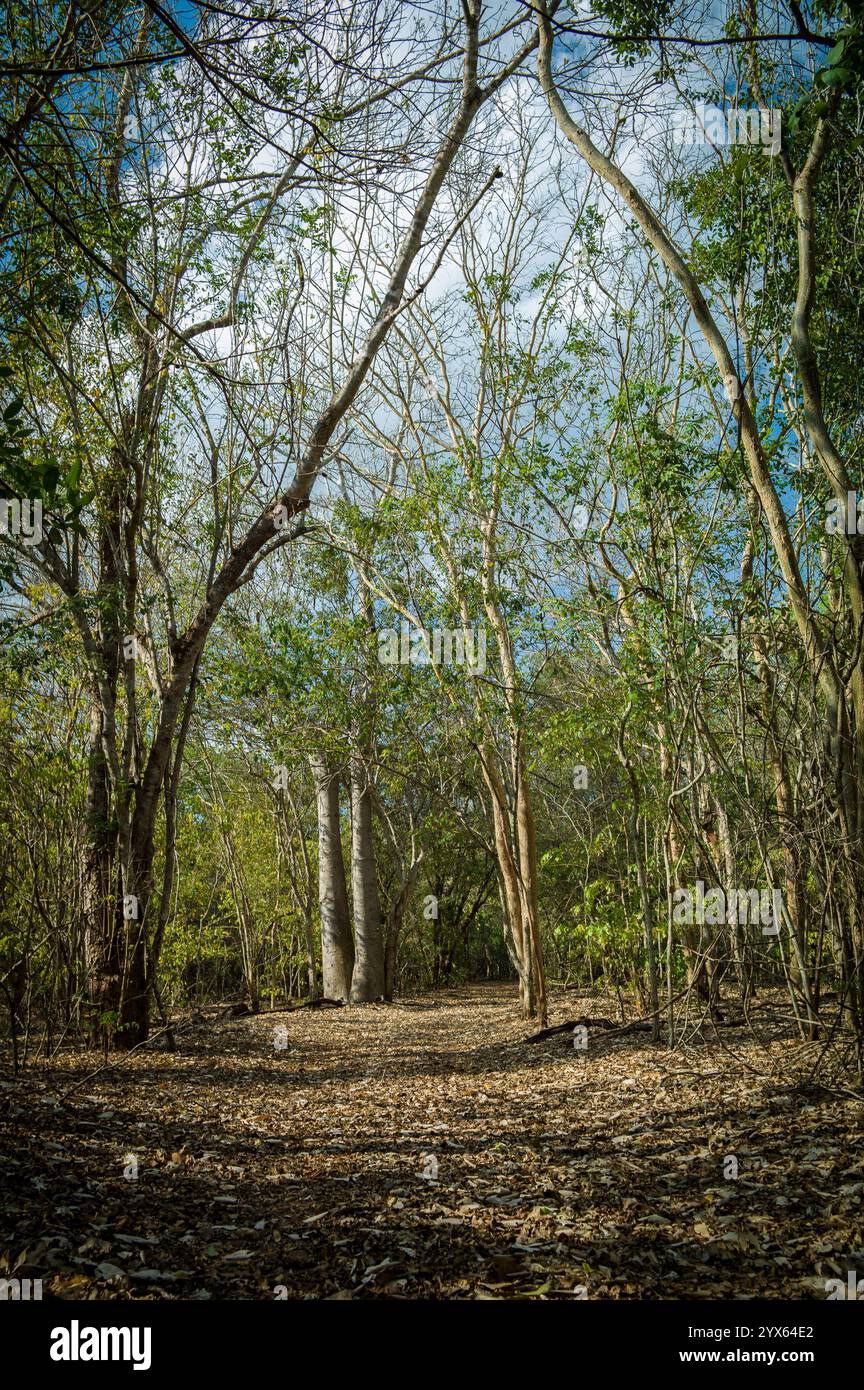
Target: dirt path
<point>420,1150</point>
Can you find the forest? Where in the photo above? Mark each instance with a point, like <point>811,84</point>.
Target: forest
<point>431,650</point>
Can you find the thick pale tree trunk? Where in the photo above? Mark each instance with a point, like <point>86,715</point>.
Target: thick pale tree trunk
<point>337,945</point>
<point>368,981</point>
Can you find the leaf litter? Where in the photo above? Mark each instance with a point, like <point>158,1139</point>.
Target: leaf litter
<point>428,1152</point>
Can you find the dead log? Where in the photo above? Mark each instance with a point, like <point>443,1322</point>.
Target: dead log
<point>639,1025</point>
<point>308,1004</point>
<point>569,1026</point>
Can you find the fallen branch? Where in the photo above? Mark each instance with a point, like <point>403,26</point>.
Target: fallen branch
<point>567,1027</point>
<point>307,1004</point>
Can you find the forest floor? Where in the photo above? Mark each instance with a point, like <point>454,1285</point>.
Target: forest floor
<point>423,1149</point>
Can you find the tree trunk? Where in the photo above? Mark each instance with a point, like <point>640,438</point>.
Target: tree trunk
<point>368,980</point>
<point>103,920</point>
<point>337,945</point>
<point>515,853</point>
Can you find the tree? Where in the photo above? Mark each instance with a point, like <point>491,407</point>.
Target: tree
<point>120,446</point>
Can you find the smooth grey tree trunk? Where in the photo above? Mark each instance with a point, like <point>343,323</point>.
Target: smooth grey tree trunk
<point>368,982</point>
<point>337,946</point>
